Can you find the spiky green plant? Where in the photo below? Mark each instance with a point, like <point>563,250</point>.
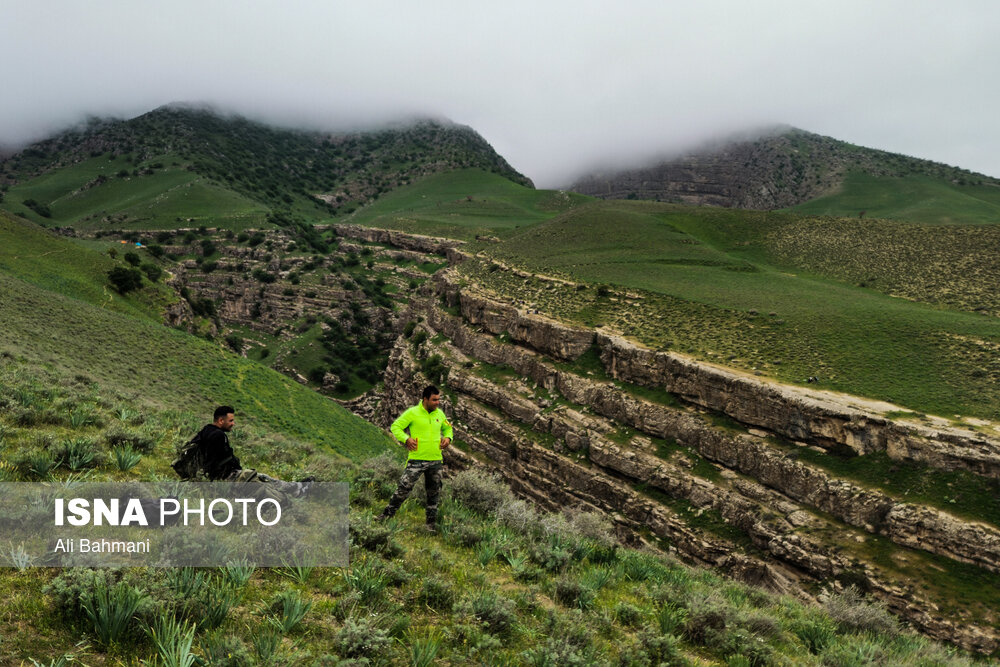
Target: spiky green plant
<point>125,458</point>
<point>290,609</point>
<point>423,649</point>
<point>173,640</point>
<point>111,610</point>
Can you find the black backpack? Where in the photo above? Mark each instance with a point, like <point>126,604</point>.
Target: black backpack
<point>191,463</point>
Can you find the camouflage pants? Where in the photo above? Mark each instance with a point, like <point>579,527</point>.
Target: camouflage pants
<point>250,476</point>
<point>431,470</point>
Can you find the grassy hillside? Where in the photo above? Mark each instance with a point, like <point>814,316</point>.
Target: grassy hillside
<point>463,204</point>
<point>705,282</point>
<point>181,165</point>
<point>71,269</point>
<point>916,198</point>
<point>58,313</point>
<point>501,584</point>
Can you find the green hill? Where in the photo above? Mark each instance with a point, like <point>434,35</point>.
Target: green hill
<point>789,168</point>
<point>177,166</point>
<point>58,313</point>
<point>721,284</point>
<point>463,204</point>
<point>914,198</point>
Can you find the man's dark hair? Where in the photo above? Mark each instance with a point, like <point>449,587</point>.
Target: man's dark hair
<point>430,390</point>
<point>222,411</point>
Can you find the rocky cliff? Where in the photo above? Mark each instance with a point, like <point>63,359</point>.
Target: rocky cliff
<point>698,458</point>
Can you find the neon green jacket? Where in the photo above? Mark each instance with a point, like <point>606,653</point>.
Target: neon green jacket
<point>426,428</point>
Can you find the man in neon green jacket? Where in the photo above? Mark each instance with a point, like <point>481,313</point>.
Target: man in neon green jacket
<point>429,433</point>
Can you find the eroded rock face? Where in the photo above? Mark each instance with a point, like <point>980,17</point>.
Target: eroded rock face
<point>797,414</point>
<point>418,242</point>
<point>774,505</point>
<point>485,416</point>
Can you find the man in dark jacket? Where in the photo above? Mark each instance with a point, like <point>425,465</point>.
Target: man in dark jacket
<point>217,461</point>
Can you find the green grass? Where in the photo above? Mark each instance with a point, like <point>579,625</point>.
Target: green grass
<point>166,367</point>
<point>914,198</point>
<point>76,270</point>
<point>548,575</point>
<point>168,198</point>
<point>463,204</point>
<point>699,289</point>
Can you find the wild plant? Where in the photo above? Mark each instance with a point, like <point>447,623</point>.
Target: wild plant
<point>265,645</point>
<point>78,453</point>
<point>851,612</point>
<point>128,415</point>
<point>423,649</point>
<point>225,650</point>
<point>597,578</point>
<point>186,581</point>
<point>486,552</point>
<point>82,417</point>
<point>290,609</point>
<point>125,458</point>
<point>816,635</point>
<point>367,579</point>
<point>42,463</point>
<point>173,640</point>
<point>297,573</point>
<point>496,611</point>
<point>238,572</point>
<point>436,594</point>
<point>111,610</point>
<point>18,557</point>
<point>574,593</point>
<point>217,598</point>
<point>360,637</point>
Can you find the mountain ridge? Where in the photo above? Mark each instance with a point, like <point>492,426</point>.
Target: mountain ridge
<point>781,167</point>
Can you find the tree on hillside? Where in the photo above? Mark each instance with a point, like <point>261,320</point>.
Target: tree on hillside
<point>125,280</point>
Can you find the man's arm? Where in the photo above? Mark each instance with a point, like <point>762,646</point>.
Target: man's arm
<point>401,423</point>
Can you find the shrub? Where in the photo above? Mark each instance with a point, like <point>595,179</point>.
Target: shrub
<point>225,650</point>
<point>116,436</point>
<point>573,593</point>
<point>125,280</point>
<point>495,611</point>
<point>360,637</point>
<point>372,536</point>
<point>132,258</point>
<point>438,595</point>
<point>478,491</point>
<point>851,612</point>
<point>152,271</point>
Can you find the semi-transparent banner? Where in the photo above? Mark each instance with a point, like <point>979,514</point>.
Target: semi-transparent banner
<point>169,524</point>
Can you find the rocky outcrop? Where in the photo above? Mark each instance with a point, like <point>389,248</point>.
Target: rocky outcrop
<point>486,417</point>
<point>418,242</point>
<point>802,415</point>
<point>820,418</point>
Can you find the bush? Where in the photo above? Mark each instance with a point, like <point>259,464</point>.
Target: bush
<point>438,595</point>
<point>851,612</point>
<point>132,258</point>
<point>495,611</point>
<point>478,491</point>
<point>361,638</point>
<point>125,280</point>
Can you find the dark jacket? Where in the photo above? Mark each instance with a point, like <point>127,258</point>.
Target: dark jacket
<point>220,460</point>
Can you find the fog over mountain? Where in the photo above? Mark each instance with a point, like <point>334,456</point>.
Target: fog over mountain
<point>557,87</point>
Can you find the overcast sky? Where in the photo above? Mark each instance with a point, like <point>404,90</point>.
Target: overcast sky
<point>555,86</point>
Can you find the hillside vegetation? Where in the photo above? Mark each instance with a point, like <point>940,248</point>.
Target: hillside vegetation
<point>464,204</point>
<point>60,314</point>
<point>723,286</point>
<point>182,164</point>
<point>501,583</point>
